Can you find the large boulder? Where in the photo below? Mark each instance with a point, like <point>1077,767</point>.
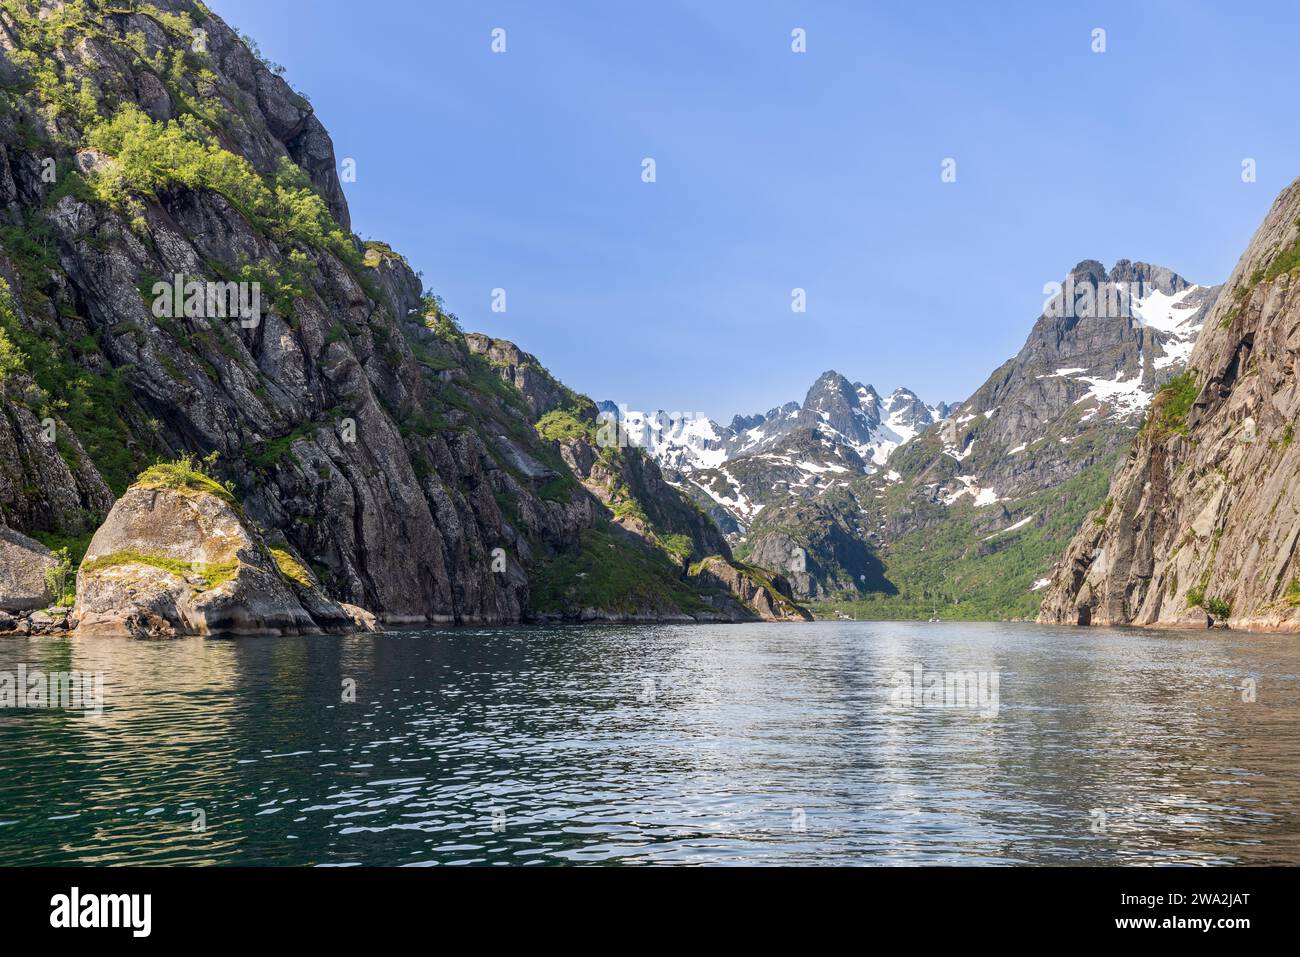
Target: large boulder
<point>184,561</point>
<point>23,563</point>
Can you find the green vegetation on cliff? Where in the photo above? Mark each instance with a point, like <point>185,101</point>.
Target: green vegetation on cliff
<point>212,575</point>
<point>1169,408</point>
<point>61,579</point>
<point>187,475</point>
<point>1214,607</point>
<point>292,569</point>
<point>957,569</point>
<point>559,426</point>
<point>11,360</point>
<point>149,157</point>
<point>610,573</point>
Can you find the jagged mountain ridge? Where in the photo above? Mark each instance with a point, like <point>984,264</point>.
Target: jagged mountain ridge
<point>795,450</point>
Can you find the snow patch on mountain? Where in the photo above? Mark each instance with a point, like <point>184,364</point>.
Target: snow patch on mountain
<point>1174,315</point>
<point>678,441</point>
<point>1168,313</point>
<point>969,486</point>
<point>737,503</point>
<point>1010,528</point>
<point>1125,396</point>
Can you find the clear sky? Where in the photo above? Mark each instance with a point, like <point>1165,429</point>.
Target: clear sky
<point>774,170</point>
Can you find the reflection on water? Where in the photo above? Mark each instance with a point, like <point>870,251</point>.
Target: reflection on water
<point>701,744</point>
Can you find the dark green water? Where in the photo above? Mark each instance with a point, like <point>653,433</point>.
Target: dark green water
<point>774,744</point>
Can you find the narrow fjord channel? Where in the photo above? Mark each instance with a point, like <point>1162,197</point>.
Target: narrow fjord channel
<point>744,744</point>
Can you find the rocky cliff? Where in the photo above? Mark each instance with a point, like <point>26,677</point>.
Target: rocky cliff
<point>1201,523</point>
<point>179,276</point>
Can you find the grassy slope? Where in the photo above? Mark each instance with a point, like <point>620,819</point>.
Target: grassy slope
<point>609,573</point>
<point>950,566</point>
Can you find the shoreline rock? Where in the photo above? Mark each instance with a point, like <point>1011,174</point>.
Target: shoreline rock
<point>23,564</point>
<point>768,596</point>
<point>41,622</point>
<point>173,562</point>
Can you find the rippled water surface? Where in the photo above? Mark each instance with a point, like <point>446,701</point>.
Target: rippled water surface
<point>689,744</point>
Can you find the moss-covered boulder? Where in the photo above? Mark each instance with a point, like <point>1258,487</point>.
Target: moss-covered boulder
<point>176,556</point>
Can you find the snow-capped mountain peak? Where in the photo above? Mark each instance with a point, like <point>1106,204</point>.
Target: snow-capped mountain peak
<point>794,451</point>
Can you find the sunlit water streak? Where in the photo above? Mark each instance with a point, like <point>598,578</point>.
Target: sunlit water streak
<point>688,744</point>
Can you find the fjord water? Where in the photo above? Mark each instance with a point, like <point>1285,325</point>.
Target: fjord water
<point>740,744</point>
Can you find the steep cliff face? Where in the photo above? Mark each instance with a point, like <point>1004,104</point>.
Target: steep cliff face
<point>150,165</point>
<point>1203,516</point>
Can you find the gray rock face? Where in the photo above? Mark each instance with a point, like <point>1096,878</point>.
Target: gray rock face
<point>1203,517</point>
<point>23,563</point>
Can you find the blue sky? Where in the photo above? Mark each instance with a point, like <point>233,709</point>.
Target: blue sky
<point>777,170</point>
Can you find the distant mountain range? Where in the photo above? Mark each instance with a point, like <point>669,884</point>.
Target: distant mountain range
<point>795,450</point>
<point>830,490</point>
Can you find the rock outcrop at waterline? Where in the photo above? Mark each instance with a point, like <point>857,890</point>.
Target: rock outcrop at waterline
<point>1203,518</point>
<point>183,560</point>
<point>771,596</point>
